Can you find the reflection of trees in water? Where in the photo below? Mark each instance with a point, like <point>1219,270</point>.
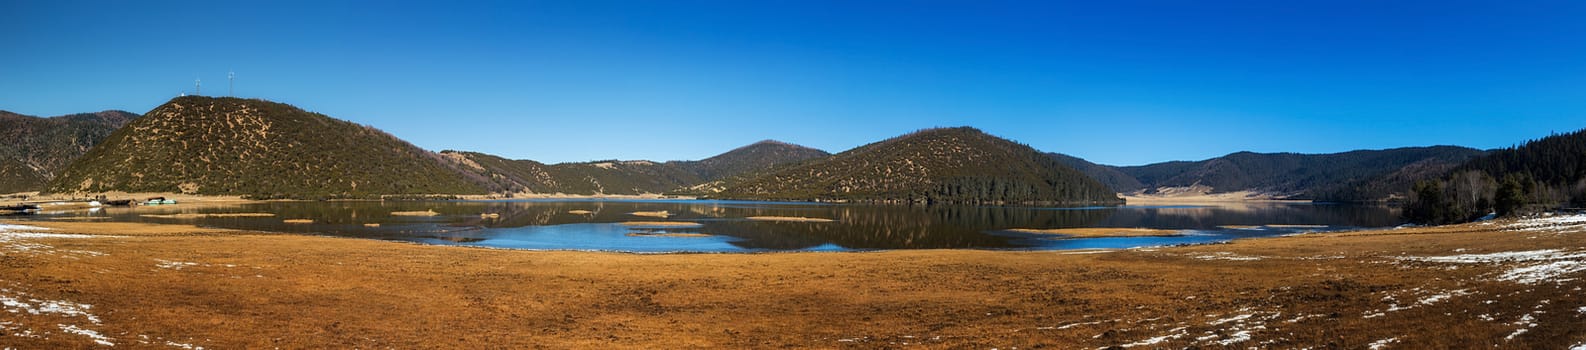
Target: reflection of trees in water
<point>856,226</point>
<point>1288,214</point>
<point>894,227</point>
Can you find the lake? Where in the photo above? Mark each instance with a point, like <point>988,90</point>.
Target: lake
<point>721,226</point>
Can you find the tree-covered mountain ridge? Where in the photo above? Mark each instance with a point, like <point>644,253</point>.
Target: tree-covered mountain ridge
<point>623,177</point>
<point>37,149</point>
<point>1361,175</point>
<point>944,165</point>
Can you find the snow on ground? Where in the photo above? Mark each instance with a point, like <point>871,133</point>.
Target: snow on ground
<point>1525,267</point>
<point>18,239</point>
<point>1548,222</point>
<point>1227,256</point>
<point>1075,324</point>
<point>174,265</point>
<point>1383,344</point>
<point>1172,334</point>
<point>183,345</point>
<point>18,302</point>
<point>1224,331</point>
<point>98,338</point>
<point>1525,323</point>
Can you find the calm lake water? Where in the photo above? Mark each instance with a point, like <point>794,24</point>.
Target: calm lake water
<point>561,225</point>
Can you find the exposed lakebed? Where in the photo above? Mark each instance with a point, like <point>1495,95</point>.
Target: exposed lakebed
<point>740,226</point>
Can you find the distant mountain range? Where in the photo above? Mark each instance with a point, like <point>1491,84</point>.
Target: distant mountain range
<point>631,177</point>
<point>37,149</point>
<point>1349,176</point>
<point>948,165</point>
<point>264,149</point>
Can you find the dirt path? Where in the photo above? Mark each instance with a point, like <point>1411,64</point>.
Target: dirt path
<point>81,284</point>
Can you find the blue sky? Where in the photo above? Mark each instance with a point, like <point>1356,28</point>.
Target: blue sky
<point>1116,82</point>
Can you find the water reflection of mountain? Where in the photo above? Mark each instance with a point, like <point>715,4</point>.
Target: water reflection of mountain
<point>855,226</point>
<point>894,227</point>
<point>1210,217</point>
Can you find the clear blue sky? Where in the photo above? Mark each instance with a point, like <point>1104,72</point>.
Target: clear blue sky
<point>1117,82</point>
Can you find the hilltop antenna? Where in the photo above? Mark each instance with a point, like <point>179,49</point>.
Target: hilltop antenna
<point>198,87</point>
<point>231,84</point>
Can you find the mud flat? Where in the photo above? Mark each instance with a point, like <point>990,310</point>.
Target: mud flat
<point>652,214</point>
<point>1509,285</point>
<point>788,219</point>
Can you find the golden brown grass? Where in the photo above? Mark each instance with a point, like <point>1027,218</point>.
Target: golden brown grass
<point>298,221</point>
<point>415,213</point>
<point>653,214</point>
<point>235,289</point>
<point>788,219</point>
<point>1091,232</point>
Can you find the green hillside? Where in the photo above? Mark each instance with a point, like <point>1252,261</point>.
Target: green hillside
<point>232,146</point>
<point>39,148</point>
<point>949,165</point>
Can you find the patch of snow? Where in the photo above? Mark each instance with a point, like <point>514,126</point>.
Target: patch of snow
<point>1237,337</point>
<point>183,346</point>
<point>98,338</point>
<point>1558,263</point>
<point>1072,325</point>
<point>39,307</point>
<point>1525,323</point>
<point>1547,223</point>
<point>1174,334</point>
<point>174,265</point>
<point>1382,344</point>
<point>1230,319</point>
<point>1541,273</point>
<point>10,227</point>
<point>1227,256</point>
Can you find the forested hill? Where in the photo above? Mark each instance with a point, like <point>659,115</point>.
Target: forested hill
<point>621,177</point>
<point>233,146</point>
<point>755,157</point>
<point>36,149</point>
<point>1107,175</point>
<point>1365,175</point>
<point>948,165</point>
<point>1542,174</point>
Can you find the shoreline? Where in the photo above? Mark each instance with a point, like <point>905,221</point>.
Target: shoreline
<point>244,289</point>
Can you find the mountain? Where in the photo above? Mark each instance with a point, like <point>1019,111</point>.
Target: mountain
<point>257,148</point>
<point>1349,176</point>
<point>501,175</point>
<point>947,165</point>
<point>754,157</point>
<point>38,148</point>
<point>1117,180</point>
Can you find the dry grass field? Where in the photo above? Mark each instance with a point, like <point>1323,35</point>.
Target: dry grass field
<point>80,284</point>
